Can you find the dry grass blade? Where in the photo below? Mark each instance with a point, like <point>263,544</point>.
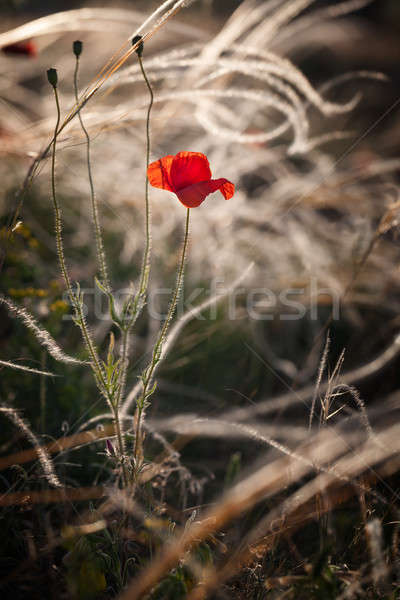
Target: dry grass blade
<point>11,365</point>
<point>68,442</point>
<point>51,496</point>
<point>294,512</point>
<point>264,483</point>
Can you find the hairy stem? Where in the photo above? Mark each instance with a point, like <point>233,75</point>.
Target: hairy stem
<point>77,305</point>
<point>148,373</point>
<point>145,270</point>
<point>61,258</point>
<point>121,446</point>
<point>57,208</point>
<point>101,257</point>
<point>147,253</point>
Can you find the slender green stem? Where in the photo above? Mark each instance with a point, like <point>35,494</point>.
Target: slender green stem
<point>145,270</point>
<point>101,257</point>
<point>121,445</point>
<point>57,208</point>
<point>124,362</point>
<point>147,378</point>
<point>147,253</point>
<point>96,364</point>
<point>61,257</point>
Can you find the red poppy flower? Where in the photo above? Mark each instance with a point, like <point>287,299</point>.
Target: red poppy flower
<point>27,48</point>
<point>188,175</point>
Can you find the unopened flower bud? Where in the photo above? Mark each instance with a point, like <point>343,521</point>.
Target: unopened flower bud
<point>52,77</point>
<point>135,40</point>
<point>77,48</point>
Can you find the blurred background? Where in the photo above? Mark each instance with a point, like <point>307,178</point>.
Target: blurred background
<point>304,117</point>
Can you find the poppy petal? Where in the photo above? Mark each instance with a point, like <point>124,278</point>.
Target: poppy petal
<point>193,195</point>
<point>227,188</point>
<point>189,168</point>
<point>159,173</point>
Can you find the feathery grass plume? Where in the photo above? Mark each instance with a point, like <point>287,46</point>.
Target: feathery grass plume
<point>321,369</point>
<point>42,335</point>
<point>295,29</point>
<point>287,512</point>
<point>279,74</point>
<point>43,456</point>
<point>252,433</point>
<point>273,202</point>
<point>331,383</point>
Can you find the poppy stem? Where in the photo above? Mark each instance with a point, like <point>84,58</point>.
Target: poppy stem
<point>61,258</point>
<point>101,257</point>
<point>76,298</point>
<point>144,278</point>
<point>147,376</point>
<point>138,301</point>
<point>57,209</point>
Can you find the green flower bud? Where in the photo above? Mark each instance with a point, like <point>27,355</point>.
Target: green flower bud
<point>135,40</point>
<point>52,77</point>
<point>77,48</point>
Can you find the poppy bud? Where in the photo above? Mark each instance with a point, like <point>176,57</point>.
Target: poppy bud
<point>135,40</point>
<point>52,77</point>
<point>77,48</point>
